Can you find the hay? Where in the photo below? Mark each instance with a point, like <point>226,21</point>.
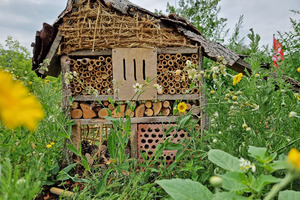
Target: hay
<point>93,26</point>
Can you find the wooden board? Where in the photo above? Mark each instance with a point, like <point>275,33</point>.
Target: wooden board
<point>174,50</point>
<point>106,52</point>
<point>131,66</point>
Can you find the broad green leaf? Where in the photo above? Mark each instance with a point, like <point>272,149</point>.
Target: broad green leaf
<point>235,181</point>
<point>101,185</point>
<point>73,149</point>
<point>264,180</point>
<point>260,153</point>
<point>224,160</point>
<point>185,189</point>
<point>173,146</point>
<point>277,165</point>
<point>85,163</point>
<point>183,122</point>
<point>229,196</point>
<point>289,195</point>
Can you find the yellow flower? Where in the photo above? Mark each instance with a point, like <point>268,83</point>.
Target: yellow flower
<point>212,91</point>
<point>234,97</point>
<point>294,158</point>
<point>182,107</point>
<point>48,146</point>
<point>256,75</point>
<point>52,143</point>
<point>237,78</point>
<point>29,83</point>
<point>298,70</point>
<point>17,106</point>
<point>244,126</point>
<point>47,81</point>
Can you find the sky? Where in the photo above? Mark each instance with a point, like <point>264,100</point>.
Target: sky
<point>22,18</point>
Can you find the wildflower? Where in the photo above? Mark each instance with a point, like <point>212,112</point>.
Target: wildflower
<point>253,167</point>
<point>298,69</point>
<point>244,126</point>
<point>17,106</point>
<point>182,107</point>
<point>294,158</point>
<point>234,98</point>
<point>188,63</point>
<point>256,75</point>
<point>215,140</point>
<point>48,146</point>
<point>248,129</point>
<point>212,91</point>
<point>220,132</point>
<point>52,143</point>
<point>292,114</point>
<point>245,164</point>
<point>237,78</point>
<point>216,114</point>
<point>30,83</point>
<point>255,107</point>
<point>192,73</point>
<point>47,81</point>
<point>137,87</point>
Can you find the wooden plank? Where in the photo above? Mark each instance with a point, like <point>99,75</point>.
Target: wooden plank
<point>175,50</point>
<point>54,66</point>
<point>105,52</point>
<point>66,92</point>
<point>134,120</point>
<point>178,97</point>
<point>132,66</point>
<point>134,141</point>
<point>92,97</point>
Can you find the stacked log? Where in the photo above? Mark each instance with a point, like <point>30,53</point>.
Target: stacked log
<point>172,82</point>
<point>92,74</point>
<point>90,110</point>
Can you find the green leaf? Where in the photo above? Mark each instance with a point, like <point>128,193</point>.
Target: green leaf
<point>173,146</point>
<point>73,149</point>
<point>260,153</point>
<point>229,196</point>
<point>180,189</point>
<point>101,186</point>
<point>235,181</point>
<point>224,160</point>
<point>264,180</point>
<point>63,135</point>
<point>277,165</point>
<point>183,122</point>
<point>85,163</point>
<point>289,195</point>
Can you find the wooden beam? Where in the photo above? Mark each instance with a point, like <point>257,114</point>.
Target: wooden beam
<point>105,52</point>
<point>92,97</point>
<point>178,97</point>
<point>134,141</point>
<point>174,50</point>
<point>134,120</point>
<point>54,66</point>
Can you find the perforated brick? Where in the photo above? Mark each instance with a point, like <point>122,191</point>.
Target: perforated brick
<point>150,135</point>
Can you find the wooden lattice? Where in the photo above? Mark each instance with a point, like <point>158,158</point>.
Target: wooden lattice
<point>94,26</point>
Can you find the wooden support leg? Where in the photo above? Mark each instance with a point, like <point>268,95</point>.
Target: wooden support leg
<point>133,138</point>
<point>76,135</point>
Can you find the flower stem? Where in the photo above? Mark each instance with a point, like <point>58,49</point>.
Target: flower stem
<point>276,188</point>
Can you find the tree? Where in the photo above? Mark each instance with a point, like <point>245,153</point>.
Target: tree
<point>204,15</point>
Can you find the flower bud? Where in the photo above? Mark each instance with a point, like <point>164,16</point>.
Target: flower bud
<point>216,181</point>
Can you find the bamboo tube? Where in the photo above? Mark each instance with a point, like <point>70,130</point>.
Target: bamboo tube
<point>184,90</point>
<point>170,68</point>
<point>166,104</point>
<point>149,112</point>
<point>173,57</point>
<point>72,85</point>
<point>73,92</point>
<point>161,56</point>
<point>171,78</point>
<point>101,58</point>
<point>110,91</point>
<point>195,62</point>
<point>98,73</point>
<point>177,85</point>
<point>177,78</point>
<point>160,78</point>
<point>84,61</point>
<point>189,58</point>
<point>108,59</point>
<point>156,108</point>
<point>92,62</point>
<point>166,84</point>
<point>84,67</point>
<point>99,80</point>
<point>88,112</point>
<point>109,66</point>
<point>164,63</point>
<point>140,110</point>
<point>103,113</point>
<point>98,63</point>
<point>102,69</point>
<point>76,114</point>
<point>90,68</point>
<point>75,67</point>
<point>178,56</point>
<point>72,62</point>
<point>170,63</point>
<point>167,56</point>
<point>188,106</point>
<point>78,89</point>
<point>160,67</point>
<point>166,90</point>
<point>104,91</point>
<point>105,76</point>
<point>171,84</point>
<point>183,58</point>
<point>148,104</point>
<point>93,73</point>
<point>109,72</point>
<point>103,64</point>
<point>195,91</point>
<point>98,86</point>
<point>104,84</point>
<point>87,74</point>
<point>184,84</point>
<point>93,79</point>
<point>81,70</point>
<point>78,63</point>
<point>172,91</point>
<point>195,56</point>
<point>178,90</point>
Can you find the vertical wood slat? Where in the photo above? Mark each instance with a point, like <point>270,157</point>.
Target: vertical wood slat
<point>134,141</point>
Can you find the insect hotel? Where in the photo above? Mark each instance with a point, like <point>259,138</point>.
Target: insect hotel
<point>116,50</point>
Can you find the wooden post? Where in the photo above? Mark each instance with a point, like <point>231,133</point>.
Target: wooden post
<point>134,141</point>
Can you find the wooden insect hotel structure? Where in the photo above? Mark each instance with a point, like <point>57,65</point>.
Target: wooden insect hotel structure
<point>109,46</point>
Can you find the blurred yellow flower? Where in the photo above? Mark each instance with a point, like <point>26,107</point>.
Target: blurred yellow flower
<point>48,146</point>
<point>298,70</point>
<point>237,78</point>
<point>17,106</point>
<point>47,81</point>
<point>52,143</point>
<point>182,107</point>
<point>30,83</point>
<point>212,91</point>
<point>294,158</point>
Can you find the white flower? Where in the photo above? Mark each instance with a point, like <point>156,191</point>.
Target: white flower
<point>188,62</point>
<point>292,114</point>
<point>137,87</point>
<point>215,140</point>
<point>219,132</point>
<point>255,107</point>
<point>192,74</point>
<point>246,165</point>
<point>253,167</point>
<point>248,129</point>
<point>215,69</point>
<point>216,114</point>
